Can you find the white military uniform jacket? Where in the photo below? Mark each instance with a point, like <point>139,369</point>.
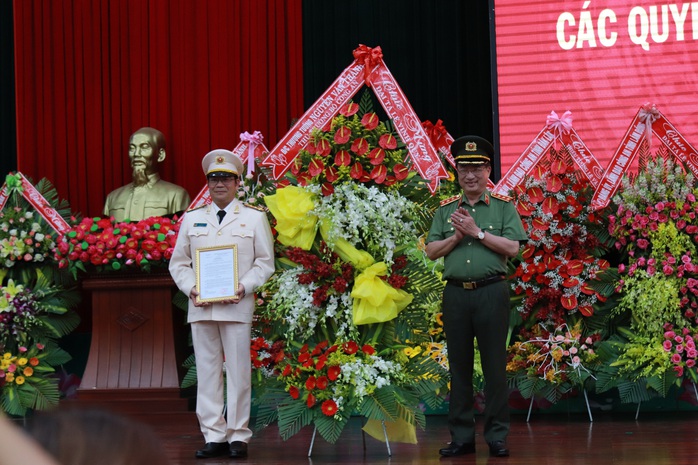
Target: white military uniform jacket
<point>243,225</point>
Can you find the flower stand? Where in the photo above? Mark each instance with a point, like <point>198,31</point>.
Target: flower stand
<point>132,363</point>
<point>586,401</point>
<point>363,438</point>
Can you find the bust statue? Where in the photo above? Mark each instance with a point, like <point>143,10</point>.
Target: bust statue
<point>147,195</point>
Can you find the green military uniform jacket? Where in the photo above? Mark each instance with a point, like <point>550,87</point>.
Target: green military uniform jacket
<point>470,260</point>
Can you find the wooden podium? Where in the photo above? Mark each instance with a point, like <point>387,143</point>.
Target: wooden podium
<point>133,363</point>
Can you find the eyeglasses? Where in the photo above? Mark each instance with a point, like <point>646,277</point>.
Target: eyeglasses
<point>472,169</point>
<point>222,179</point>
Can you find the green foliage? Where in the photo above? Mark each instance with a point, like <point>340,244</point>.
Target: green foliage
<point>652,301</point>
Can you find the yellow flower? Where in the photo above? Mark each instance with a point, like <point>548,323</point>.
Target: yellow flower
<point>7,356</point>
<point>557,354</point>
<point>4,364</point>
<point>435,331</point>
<point>412,352</point>
<point>19,380</point>
<point>11,290</point>
<point>22,361</point>
<point>9,377</point>
<point>439,319</point>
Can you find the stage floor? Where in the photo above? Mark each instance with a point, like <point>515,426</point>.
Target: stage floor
<point>666,438</point>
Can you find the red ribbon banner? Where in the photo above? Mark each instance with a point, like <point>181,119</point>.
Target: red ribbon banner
<point>370,58</point>
<point>47,212</point>
<point>581,155</point>
<point>526,162</point>
<point>676,143</point>
<point>367,68</point>
<point>408,126</point>
<point>4,195</point>
<point>621,160</point>
<point>318,115</point>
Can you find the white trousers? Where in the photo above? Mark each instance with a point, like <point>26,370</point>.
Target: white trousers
<point>216,343</point>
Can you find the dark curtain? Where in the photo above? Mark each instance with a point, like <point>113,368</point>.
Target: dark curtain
<point>438,51</point>
<point>8,161</point>
<point>90,72</point>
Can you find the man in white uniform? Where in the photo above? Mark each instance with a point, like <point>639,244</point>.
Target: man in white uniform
<point>221,330</point>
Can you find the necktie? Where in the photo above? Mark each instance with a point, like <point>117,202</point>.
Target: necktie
<point>221,214</point>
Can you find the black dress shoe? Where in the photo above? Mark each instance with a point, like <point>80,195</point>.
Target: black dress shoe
<point>212,449</point>
<point>498,449</point>
<point>238,449</point>
<point>457,448</point>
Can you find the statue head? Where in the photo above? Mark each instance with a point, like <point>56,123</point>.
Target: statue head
<point>146,150</point>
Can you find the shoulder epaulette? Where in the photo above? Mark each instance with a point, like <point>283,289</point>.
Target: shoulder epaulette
<point>260,208</point>
<point>196,208</point>
<point>505,198</point>
<point>449,200</point>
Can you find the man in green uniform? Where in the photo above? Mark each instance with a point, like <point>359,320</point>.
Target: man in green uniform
<point>476,233</point>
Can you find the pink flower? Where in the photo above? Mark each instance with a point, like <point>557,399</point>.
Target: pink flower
<point>676,358</point>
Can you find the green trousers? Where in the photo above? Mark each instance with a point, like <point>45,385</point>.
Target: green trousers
<point>483,314</point>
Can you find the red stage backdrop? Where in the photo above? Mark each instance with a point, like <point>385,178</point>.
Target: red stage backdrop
<point>91,72</point>
<point>600,59</point>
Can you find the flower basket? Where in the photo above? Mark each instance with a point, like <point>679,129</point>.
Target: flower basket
<point>103,245</point>
<point>653,227</point>
<point>344,324</point>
